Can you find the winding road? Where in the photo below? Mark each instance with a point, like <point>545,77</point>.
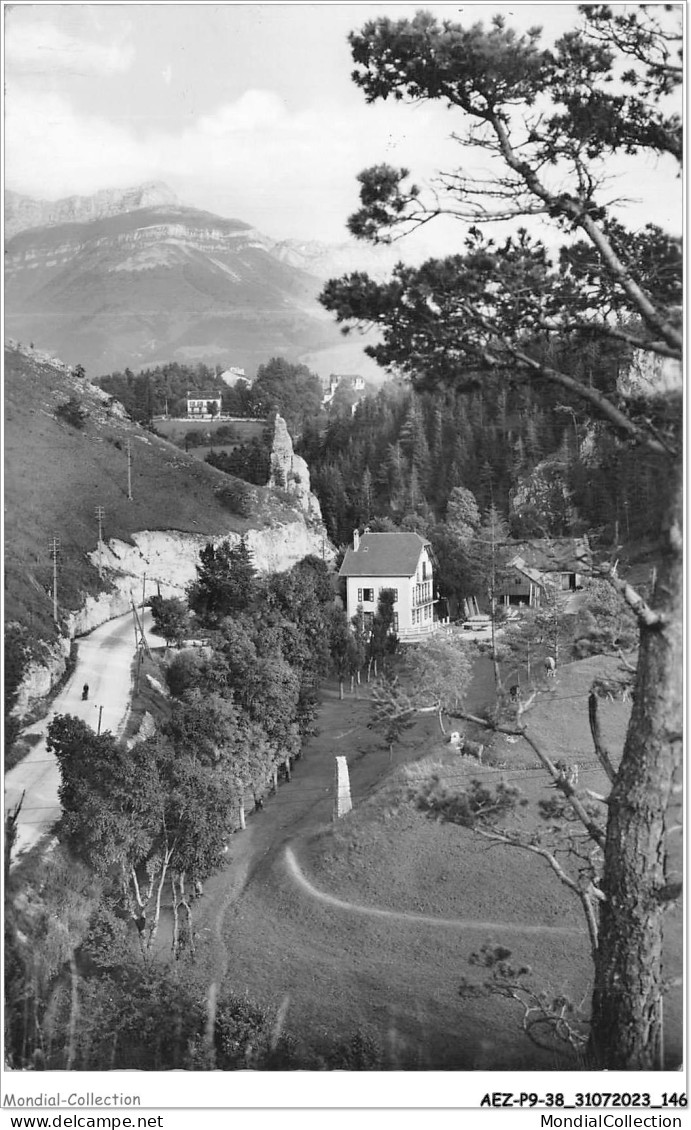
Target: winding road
<point>104,661</point>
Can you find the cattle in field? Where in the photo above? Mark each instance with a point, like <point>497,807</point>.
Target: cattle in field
<point>550,667</point>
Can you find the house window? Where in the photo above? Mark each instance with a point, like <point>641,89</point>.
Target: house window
<point>368,594</point>
<point>424,570</point>
<point>395,621</point>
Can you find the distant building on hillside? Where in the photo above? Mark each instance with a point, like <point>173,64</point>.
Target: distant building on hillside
<point>536,565</point>
<point>234,377</point>
<point>350,387</point>
<point>204,405</point>
<point>399,561</point>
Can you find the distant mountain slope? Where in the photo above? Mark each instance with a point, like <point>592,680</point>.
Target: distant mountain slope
<point>133,278</point>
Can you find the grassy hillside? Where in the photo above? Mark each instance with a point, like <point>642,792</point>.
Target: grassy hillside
<point>363,946</point>
<point>56,475</point>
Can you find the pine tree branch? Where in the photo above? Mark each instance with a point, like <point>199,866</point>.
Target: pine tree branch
<point>594,831</point>
<point>643,612</point>
<point>583,895</point>
<point>578,213</point>
<point>596,733</point>
<point>605,406</point>
<point>605,330</point>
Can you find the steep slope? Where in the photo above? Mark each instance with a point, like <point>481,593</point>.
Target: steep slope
<point>164,282</point>
<point>56,475</point>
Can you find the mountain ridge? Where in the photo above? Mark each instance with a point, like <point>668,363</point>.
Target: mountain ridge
<point>113,286</point>
<point>26,212</point>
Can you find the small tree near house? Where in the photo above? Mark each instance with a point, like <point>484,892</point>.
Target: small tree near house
<point>383,640</point>
<point>392,710</point>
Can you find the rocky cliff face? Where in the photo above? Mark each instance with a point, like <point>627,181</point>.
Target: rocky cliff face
<point>162,562</point>
<point>649,375</point>
<point>22,213</point>
<point>165,562</point>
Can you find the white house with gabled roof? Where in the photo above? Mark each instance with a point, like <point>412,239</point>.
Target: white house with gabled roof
<point>399,561</point>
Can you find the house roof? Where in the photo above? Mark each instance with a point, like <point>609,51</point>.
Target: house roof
<point>553,555</point>
<point>384,555</point>
<point>532,574</point>
<point>204,395</point>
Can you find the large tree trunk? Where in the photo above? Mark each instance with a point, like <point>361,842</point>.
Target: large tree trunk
<point>626,1028</point>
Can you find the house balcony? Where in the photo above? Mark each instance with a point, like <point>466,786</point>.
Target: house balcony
<point>422,594</point>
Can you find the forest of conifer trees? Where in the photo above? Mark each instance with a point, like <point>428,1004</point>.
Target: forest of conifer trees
<point>532,453</point>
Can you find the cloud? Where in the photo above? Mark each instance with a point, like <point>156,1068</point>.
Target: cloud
<point>291,173</point>
<point>255,110</point>
<point>253,144</point>
<point>51,152</point>
<point>38,47</point>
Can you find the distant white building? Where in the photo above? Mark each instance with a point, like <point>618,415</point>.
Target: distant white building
<point>398,561</point>
<point>204,405</point>
<point>234,377</point>
<point>353,383</point>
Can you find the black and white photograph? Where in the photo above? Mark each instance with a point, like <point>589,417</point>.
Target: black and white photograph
<point>343,559</point>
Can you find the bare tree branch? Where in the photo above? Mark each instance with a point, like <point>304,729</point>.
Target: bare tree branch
<point>602,753</point>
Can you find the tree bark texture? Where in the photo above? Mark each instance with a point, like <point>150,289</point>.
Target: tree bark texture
<point>626,1028</point>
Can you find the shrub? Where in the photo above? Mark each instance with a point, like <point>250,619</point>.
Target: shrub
<point>72,412</point>
<point>286,498</point>
<point>183,673</point>
<point>360,1053</point>
<point>236,496</point>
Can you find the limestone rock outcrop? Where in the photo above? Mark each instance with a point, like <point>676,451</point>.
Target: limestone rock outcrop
<point>165,561</point>
<point>291,471</point>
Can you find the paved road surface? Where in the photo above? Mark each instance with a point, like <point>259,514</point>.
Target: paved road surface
<point>104,661</point>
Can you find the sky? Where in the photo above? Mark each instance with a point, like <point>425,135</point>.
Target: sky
<point>247,110</point>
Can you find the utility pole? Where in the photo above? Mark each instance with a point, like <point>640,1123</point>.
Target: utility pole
<point>54,547</point>
<point>100,715</point>
<point>100,514</point>
<point>140,643</point>
<point>129,470</point>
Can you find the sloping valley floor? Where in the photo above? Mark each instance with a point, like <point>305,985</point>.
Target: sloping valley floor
<point>369,923</point>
